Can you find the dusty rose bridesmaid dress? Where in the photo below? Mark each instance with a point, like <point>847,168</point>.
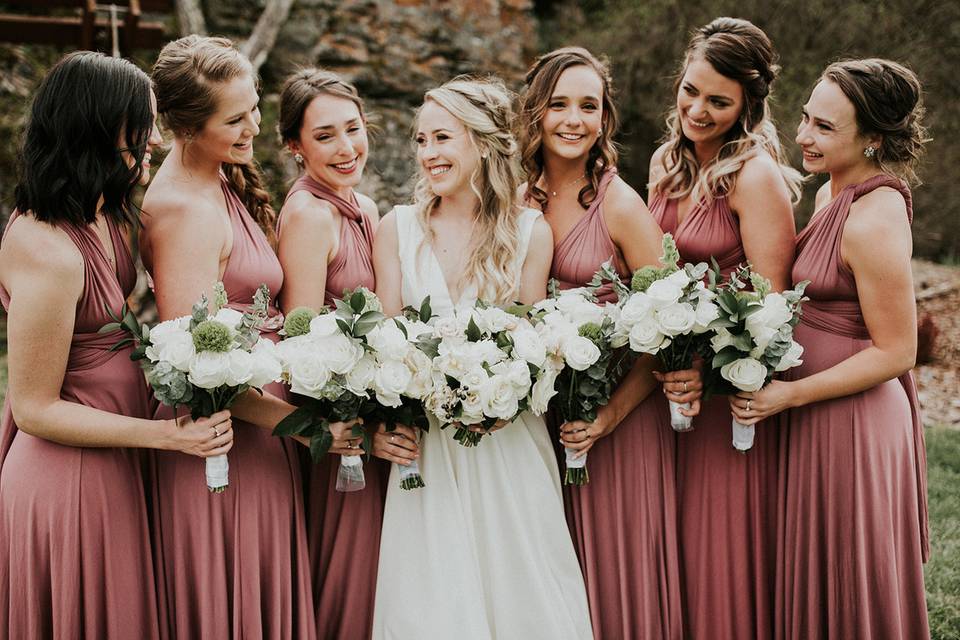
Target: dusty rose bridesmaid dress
<point>727,500</point>
<point>74,534</point>
<point>343,529</point>
<point>623,521</point>
<point>235,565</point>
<point>854,533</point>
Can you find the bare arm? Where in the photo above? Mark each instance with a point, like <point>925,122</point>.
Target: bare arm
<point>308,241</point>
<point>762,203</point>
<point>386,265</point>
<point>536,264</point>
<point>876,245</point>
<point>44,273</point>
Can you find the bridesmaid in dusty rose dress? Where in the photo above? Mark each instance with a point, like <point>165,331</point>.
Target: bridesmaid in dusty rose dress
<point>721,186</point>
<point>234,564</point>
<point>854,535</point>
<point>623,522</point>
<point>74,537</point>
<point>326,236</point>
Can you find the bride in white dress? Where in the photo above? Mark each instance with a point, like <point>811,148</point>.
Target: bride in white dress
<point>483,551</point>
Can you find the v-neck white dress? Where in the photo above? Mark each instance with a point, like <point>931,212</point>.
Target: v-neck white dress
<point>482,551</point>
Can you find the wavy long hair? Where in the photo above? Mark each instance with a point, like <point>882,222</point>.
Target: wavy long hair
<point>739,50</point>
<point>187,76</point>
<point>301,88</point>
<point>541,80</point>
<point>87,106</point>
<point>483,107</point>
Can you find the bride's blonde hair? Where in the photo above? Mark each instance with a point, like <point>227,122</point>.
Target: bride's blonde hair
<point>740,50</point>
<point>483,106</point>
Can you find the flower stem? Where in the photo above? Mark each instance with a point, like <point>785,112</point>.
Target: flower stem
<point>466,437</point>
<point>576,476</point>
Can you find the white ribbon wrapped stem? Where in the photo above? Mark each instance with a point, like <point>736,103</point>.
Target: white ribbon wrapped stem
<point>350,475</point>
<point>218,472</point>
<point>742,436</point>
<point>678,421</point>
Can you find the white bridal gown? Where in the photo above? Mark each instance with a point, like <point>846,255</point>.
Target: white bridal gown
<point>482,551</point>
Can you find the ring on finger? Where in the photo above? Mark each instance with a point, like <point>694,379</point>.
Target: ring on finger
<point>748,405</point>
<point>216,432</point>
<point>684,386</point>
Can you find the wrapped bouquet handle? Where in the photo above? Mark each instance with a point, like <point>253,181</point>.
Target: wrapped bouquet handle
<point>678,421</point>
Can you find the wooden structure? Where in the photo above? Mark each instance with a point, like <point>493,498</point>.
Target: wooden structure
<point>117,23</point>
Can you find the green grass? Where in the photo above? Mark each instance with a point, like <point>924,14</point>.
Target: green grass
<point>943,571</point>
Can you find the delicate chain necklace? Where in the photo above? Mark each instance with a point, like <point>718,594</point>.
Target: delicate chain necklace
<point>562,187</point>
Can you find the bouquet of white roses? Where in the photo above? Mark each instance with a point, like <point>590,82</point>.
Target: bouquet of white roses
<point>581,367</point>
<point>328,359</point>
<point>668,314</point>
<point>403,350</point>
<point>753,337</point>
<point>487,361</point>
<point>205,361</point>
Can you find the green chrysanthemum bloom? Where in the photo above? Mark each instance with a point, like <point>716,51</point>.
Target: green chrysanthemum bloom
<point>297,321</point>
<point>591,331</point>
<point>212,335</point>
<point>643,278</point>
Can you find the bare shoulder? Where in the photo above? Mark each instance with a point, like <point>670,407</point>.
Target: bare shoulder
<point>541,234</point>
<point>760,172</point>
<point>880,212</point>
<point>368,206</point>
<point>304,212</point>
<point>656,163</point>
<point>165,207</point>
<point>622,202</point>
<point>823,195</point>
<point>40,250</point>
<point>387,229</point>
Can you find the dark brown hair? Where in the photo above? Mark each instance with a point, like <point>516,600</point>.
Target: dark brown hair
<point>187,76</point>
<point>301,88</point>
<point>541,80</point>
<point>888,101</point>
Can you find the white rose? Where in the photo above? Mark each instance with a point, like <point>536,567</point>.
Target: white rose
<point>449,328</point>
<point>547,304</point>
<point>745,374</point>
<point>422,368</point>
<point>324,325</point>
<point>762,335</point>
<point>721,339</point>
<point>471,407</point>
<point>230,317</point>
<point>176,348</point>
<point>580,353</point>
<point>646,337</point>
<point>360,378</point>
<point>529,346</point>
<point>707,312</point>
<point>392,379</point>
<point>164,330</point>
<point>792,357</point>
<point>517,372</point>
<point>487,351</point>
<point>340,353</point>
<point>579,308</point>
<point>679,278</point>
<point>663,293</point>
<point>266,364</point>
<point>308,374</point>
<point>240,369</point>
<point>208,369</point>
<point>637,307</point>
<point>388,341</point>
<point>676,319</point>
<point>455,360</point>
<point>544,387</point>
<point>494,320</point>
<point>774,313</point>
<point>499,397</point>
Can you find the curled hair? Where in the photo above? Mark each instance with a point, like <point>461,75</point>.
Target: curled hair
<point>739,50</point>
<point>541,80</point>
<point>483,107</point>
<point>87,111</point>
<point>888,101</point>
<point>301,88</point>
<point>188,75</point>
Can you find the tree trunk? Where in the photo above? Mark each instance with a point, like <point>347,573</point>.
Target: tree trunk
<point>264,35</point>
<point>190,18</point>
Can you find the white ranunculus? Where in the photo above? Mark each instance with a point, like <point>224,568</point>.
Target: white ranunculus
<point>388,341</point>
<point>324,325</point>
<point>241,368</point>
<point>267,367</point>
<point>392,379</point>
<point>745,374</point>
<point>646,337</point>
<point>706,312</point>
<point>663,293</point>
<point>340,352</point>
<point>721,339</point>
<point>308,374</point>
<point>544,387</point>
<point>176,348</point>
<point>209,369</point>
<point>676,319</point>
<point>792,357</point>
<point>230,317</point>
<point>360,378</point>
<point>529,346</point>
<point>580,353</point>
<point>499,397</point>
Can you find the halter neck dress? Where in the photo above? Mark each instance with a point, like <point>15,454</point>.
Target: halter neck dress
<point>235,564</point>
<point>854,534</point>
<point>623,521</point>
<point>726,500</point>
<point>74,532</point>
<point>343,529</point>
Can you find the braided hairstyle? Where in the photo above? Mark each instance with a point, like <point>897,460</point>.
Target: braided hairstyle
<point>186,77</point>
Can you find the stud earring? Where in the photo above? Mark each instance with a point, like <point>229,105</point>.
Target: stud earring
<point>298,159</point>
<point>869,152</point>
<point>599,130</point>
